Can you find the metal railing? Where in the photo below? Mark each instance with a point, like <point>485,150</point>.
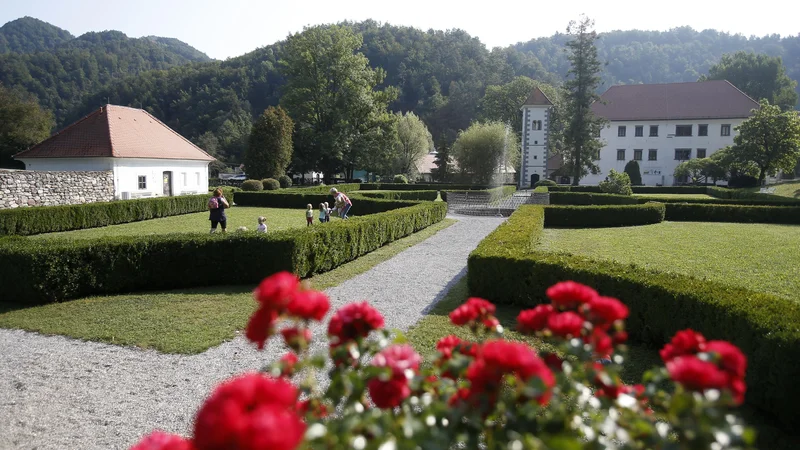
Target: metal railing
<point>482,204</point>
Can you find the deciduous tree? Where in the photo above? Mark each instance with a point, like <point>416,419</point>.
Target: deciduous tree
<point>486,149</point>
<point>23,123</point>
<point>758,75</point>
<point>270,148</point>
<point>413,142</point>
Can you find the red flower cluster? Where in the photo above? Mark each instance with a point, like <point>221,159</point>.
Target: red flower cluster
<point>570,295</point>
<point>448,344</point>
<point>296,339</point>
<point>280,294</point>
<point>158,440</point>
<point>475,309</point>
<point>723,368</point>
<point>532,320</point>
<point>390,393</point>
<point>250,412</point>
<point>288,363</point>
<point>353,321</point>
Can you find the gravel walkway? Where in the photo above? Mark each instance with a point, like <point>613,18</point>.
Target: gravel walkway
<point>58,393</point>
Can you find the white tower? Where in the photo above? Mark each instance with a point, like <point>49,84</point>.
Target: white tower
<point>535,124</point>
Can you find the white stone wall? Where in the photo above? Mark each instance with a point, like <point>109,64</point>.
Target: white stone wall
<point>20,188</point>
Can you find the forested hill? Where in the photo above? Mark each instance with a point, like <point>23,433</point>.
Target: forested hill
<point>61,70</point>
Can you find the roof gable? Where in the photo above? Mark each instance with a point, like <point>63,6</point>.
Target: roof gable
<point>717,99</point>
<point>117,132</point>
<point>537,98</point>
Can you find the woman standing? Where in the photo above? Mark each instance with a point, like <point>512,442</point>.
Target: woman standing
<point>343,203</point>
<point>216,206</point>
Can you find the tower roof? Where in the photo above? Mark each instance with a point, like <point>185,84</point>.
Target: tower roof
<point>537,98</point>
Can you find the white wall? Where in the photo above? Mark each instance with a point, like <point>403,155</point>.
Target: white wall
<point>188,177</point>
<point>68,164</point>
<point>661,170</point>
<point>534,144</point>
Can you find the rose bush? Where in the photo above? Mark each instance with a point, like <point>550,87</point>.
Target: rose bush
<point>486,392</point>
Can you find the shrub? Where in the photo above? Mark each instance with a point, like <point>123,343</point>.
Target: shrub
<point>635,175</point>
<point>400,195</point>
<point>617,183</point>
<point>541,190</point>
<point>688,212</point>
<point>545,182</point>
<point>285,181</point>
<point>603,216</point>
<point>399,178</point>
<point>585,198</point>
<point>742,181</point>
<point>324,189</point>
<point>252,185</point>
<point>670,189</point>
<point>283,199</point>
<point>271,184</point>
<point>421,187</point>
<point>52,270</point>
<point>505,268</point>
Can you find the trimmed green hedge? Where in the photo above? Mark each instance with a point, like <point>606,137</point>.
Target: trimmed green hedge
<point>689,212</point>
<point>495,193</point>
<point>507,269</point>
<point>52,270</point>
<point>585,198</point>
<point>604,216</point>
<point>282,199</point>
<point>323,189</point>
<point>422,187</point>
<point>400,195</point>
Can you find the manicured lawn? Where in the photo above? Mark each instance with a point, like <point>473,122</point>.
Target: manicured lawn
<point>180,321</point>
<point>756,256</point>
<point>785,189</point>
<point>277,219</point>
<point>676,196</point>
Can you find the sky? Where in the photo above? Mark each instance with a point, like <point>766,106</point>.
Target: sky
<point>228,28</point>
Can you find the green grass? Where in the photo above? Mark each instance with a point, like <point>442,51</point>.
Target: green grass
<point>791,190</point>
<point>277,219</point>
<point>181,321</point>
<point>676,196</point>
<point>756,256</point>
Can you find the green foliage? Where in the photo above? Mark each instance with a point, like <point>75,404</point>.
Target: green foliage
<point>23,123</point>
<point>442,161</point>
<point>603,216</point>
<point>400,195</point>
<point>413,142</point>
<point>44,270</point>
<point>485,149</point>
<point>540,190</point>
<point>635,175</point>
<point>589,198</point>
<point>290,198</point>
<point>285,181</point>
<point>760,76</point>
<point>770,139</point>
<point>271,184</point>
<point>400,178</point>
<point>616,183</point>
<point>270,149</point>
<point>688,212</point>
<point>252,185</point>
<point>506,268</point>
<point>49,219</point>
<point>29,35</point>
<point>545,182</point>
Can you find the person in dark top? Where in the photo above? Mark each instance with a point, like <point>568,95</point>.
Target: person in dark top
<point>216,206</point>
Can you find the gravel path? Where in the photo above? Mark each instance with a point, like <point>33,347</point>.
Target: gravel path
<point>58,393</point>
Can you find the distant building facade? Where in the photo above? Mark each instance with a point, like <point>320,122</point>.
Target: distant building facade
<point>535,126</point>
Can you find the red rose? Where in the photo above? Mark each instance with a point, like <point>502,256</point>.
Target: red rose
<point>695,374</point>
<point>569,294</point>
<point>491,323</point>
<point>738,388</point>
<point>603,311</point>
<point>553,361</point>
<point>249,412</point>
<point>565,324</point>
<point>685,342</point>
<point>159,440</point>
<point>473,309</point>
<point>535,319</point>
<point>446,345</point>
<point>288,362</point>
<point>276,290</point>
<point>317,409</point>
<point>261,326</point>
<point>355,320</point>
<point>388,394</point>
<point>601,342</point>
<point>497,358</point>
<point>620,337</point>
<point>399,358</point>
<point>463,315</point>
<point>296,339</point>
<point>309,305</point>
<point>732,360</point>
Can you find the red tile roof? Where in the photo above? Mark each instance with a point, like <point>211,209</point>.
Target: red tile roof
<point>117,132</point>
<point>717,99</point>
<point>538,98</point>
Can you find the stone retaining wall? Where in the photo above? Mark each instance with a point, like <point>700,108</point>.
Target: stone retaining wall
<point>40,188</point>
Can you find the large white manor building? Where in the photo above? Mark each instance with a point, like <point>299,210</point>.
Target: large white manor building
<point>657,125</point>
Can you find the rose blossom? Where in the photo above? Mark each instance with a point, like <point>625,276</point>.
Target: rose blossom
<point>446,345</point>
<point>695,374</point>
<point>388,394</point>
<point>309,305</point>
<point>276,290</point>
<point>296,339</point>
<point>251,412</point>
<point>473,309</point>
<point>685,342</point>
<point>354,320</point>
<point>565,324</point>
<point>288,362</point>
<point>399,358</point>
<point>159,440</point>
<point>535,319</point>
<point>603,311</point>
<point>261,326</point>
<point>601,342</point>
<point>569,294</point>
<point>497,358</point>
<point>732,360</point>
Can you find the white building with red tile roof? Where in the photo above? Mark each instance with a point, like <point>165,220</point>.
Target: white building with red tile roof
<point>147,158</point>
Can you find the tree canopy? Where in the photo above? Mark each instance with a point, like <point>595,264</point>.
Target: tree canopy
<point>413,142</point>
<point>23,123</point>
<point>758,75</point>
<point>270,148</point>
<point>485,150</point>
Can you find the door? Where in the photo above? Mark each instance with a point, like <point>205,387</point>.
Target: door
<point>168,184</point>
<point>534,179</point>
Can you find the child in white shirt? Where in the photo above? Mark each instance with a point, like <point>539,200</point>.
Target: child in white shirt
<point>262,225</point>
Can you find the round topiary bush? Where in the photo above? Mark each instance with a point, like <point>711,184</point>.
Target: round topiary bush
<point>252,185</point>
<point>285,181</point>
<point>546,183</point>
<point>271,184</point>
<point>400,178</point>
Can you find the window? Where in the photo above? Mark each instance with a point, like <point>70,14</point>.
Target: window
<point>621,155</point>
<point>185,180</point>
<point>637,155</point>
<point>683,130</point>
<point>701,153</point>
<point>653,130</point>
<point>652,155</point>
<point>142,182</point>
<point>683,154</point>
<point>639,132</point>
<point>702,130</point>
<point>621,131</point>
<point>536,125</point>
<point>725,130</point>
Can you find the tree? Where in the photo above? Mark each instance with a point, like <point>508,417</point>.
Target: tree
<point>758,75</point>
<point>485,149</point>
<point>582,126</point>
<point>23,123</point>
<point>330,93</point>
<point>442,162</point>
<point>616,183</point>
<point>270,148</point>
<point>770,139</point>
<point>633,171</point>
<point>413,142</point>
<point>692,169</point>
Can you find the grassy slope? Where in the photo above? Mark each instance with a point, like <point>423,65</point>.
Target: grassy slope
<point>757,256</point>
<point>676,196</point>
<point>181,321</point>
<point>784,189</point>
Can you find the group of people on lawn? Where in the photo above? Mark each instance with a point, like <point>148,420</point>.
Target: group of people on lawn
<point>217,205</point>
